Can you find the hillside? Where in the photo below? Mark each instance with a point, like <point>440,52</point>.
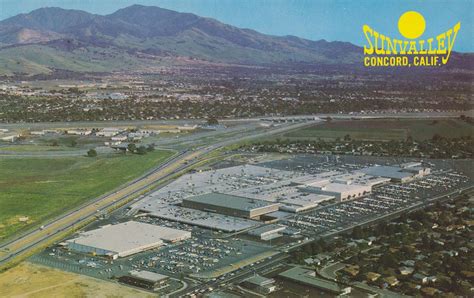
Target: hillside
<point>140,36</point>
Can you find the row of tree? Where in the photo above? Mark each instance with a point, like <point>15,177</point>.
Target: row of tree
<point>132,148</point>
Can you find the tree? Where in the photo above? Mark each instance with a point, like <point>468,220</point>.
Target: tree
<point>150,147</point>
<point>55,143</point>
<point>212,121</point>
<point>141,150</point>
<point>389,261</point>
<point>92,153</point>
<point>436,138</point>
<point>73,143</point>
<point>132,147</point>
<point>74,90</point>
<point>357,233</point>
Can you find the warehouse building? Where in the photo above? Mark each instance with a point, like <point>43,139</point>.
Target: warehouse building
<point>230,205</point>
<point>308,277</point>
<point>125,239</point>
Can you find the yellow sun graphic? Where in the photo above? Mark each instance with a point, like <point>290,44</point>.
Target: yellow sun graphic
<point>411,24</point>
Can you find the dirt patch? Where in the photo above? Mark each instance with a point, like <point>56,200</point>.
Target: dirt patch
<point>31,280</point>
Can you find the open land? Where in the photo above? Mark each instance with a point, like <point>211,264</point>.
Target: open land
<point>422,138</point>
<point>36,281</point>
<point>384,129</point>
<point>40,188</point>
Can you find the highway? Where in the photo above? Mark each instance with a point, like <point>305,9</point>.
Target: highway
<point>100,124</point>
<point>49,232</point>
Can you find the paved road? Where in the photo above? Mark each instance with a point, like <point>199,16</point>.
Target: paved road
<point>184,161</point>
<point>329,272</point>
<point>272,263</point>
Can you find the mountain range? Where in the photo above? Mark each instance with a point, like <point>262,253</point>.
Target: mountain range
<point>143,37</point>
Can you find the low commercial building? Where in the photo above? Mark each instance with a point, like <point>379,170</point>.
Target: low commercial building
<point>109,132</point>
<point>11,138</point>
<point>145,279</point>
<point>230,205</point>
<point>402,174</point>
<point>200,218</point>
<point>268,232</point>
<point>187,127</point>
<point>37,133</point>
<point>125,239</point>
<point>303,202</point>
<point>170,235</point>
<point>308,277</point>
<point>341,191</point>
<point>119,138</point>
<point>260,284</point>
<point>79,132</point>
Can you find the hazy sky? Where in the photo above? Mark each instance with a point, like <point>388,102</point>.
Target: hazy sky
<point>312,19</point>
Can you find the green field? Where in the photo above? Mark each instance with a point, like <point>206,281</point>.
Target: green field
<point>384,130</point>
<point>43,187</point>
<point>34,148</point>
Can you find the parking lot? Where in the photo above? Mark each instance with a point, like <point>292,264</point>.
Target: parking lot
<point>195,255</point>
<point>383,200</point>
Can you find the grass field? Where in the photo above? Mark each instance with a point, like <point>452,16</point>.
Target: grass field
<point>53,143</point>
<point>43,187</point>
<point>381,130</point>
<point>34,148</point>
<point>34,281</point>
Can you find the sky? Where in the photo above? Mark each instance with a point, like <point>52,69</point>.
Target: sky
<point>312,19</point>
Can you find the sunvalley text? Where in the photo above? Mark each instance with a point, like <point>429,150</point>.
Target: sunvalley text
<point>381,50</point>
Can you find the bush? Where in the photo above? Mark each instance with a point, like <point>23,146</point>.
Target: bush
<point>141,150</point>
<point>92,153</point>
